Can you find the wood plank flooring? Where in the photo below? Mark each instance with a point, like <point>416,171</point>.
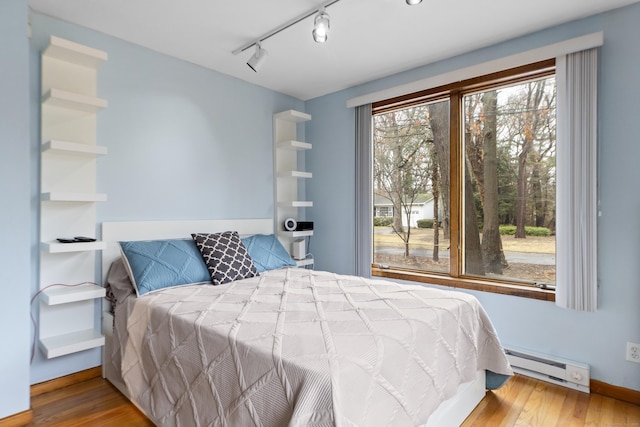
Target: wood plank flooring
<point>521,402</point>
<point>525,401</point>
<point>94,402</point>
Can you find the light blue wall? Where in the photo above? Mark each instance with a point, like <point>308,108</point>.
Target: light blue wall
<point>184,143</point>
<point>15,274</point>
<point>595,338</point>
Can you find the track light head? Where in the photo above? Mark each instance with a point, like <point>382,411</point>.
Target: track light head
<point>413,2</point>
<point>258,58</point>
<point>320,26</point>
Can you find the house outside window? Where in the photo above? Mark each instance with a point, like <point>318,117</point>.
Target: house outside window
<point>484,152</point>
<point>383,211</point>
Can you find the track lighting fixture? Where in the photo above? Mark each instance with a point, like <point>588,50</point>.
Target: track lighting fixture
<point>258,58</point>
<point>320,26</point>
<point>413,2</point>
<point>320,33</point>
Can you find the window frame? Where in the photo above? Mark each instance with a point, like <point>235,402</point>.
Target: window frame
<point>455,92</point>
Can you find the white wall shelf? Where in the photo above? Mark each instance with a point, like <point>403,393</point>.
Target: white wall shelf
<point>73,197</point>
<point>292,116</point>
<point>70,148</point>
<point>295,234</point>
<point>73,101</point>
<point>74,53</point>
<point>304,262</point>
<point>295,174</point>
<point>296,204</point>
<point>73,342</point>
<point>56,247</point>
<point>294,145</point>
<point>68,196</point>
<point>66,294</point>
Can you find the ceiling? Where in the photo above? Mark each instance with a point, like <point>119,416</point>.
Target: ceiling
<point>369,39</point>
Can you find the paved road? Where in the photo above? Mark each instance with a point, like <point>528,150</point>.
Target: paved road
<point>519,257</point>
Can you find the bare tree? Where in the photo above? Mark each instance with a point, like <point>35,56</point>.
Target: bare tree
<point>493,256</point>
<point>439,121</point>
<point>402,165</point>
<point>472,249</point>
<point>481,155</point>
<point>535,92</point>
<point>435,191</point>
<point>528,127</point>
<point>542,160</point>
<point>473,141</point>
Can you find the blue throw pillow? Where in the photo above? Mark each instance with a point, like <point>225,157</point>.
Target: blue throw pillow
<point>267,252</point>
<point>159,264</point>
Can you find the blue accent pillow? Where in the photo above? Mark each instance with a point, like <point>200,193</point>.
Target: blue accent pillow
<point>159,264</point>
<point>267,252</point>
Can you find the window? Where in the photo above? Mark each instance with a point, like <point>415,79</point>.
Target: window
<point>470,172</point>
<point>384,211</point>
<point>411,154</point>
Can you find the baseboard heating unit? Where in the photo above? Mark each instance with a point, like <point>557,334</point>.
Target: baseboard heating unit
<point>555,370</point>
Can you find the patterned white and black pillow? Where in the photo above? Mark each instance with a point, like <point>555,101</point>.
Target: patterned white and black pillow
<point>226,257</point>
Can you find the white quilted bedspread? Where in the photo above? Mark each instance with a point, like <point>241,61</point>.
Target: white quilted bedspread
<point>297,347</point>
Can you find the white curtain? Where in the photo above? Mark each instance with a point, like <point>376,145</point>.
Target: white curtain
<point>364,196</point>
<point>576,157</point>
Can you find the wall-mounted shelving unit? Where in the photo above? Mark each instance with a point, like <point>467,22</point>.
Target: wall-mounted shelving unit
<point>68,196</point>
<point>290,177</point>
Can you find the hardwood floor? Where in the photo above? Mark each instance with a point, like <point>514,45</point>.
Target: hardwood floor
<point>521,402</point>
<point>94,402</point>
<point>524,401</point>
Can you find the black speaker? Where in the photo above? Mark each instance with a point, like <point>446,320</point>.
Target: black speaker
<point>304,225</point>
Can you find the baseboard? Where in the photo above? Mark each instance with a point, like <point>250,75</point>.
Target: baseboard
<point>67,380</point>
<point>620,393</point>
<point>18,420</point>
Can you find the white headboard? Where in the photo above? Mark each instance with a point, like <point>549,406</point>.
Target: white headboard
<point>113,232</point>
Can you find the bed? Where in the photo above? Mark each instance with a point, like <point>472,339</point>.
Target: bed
<point>294,346</point>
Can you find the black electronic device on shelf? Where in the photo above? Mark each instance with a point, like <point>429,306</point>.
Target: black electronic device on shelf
<point>304,226</point>
<point>291,224</point>
<point>78,239</point>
